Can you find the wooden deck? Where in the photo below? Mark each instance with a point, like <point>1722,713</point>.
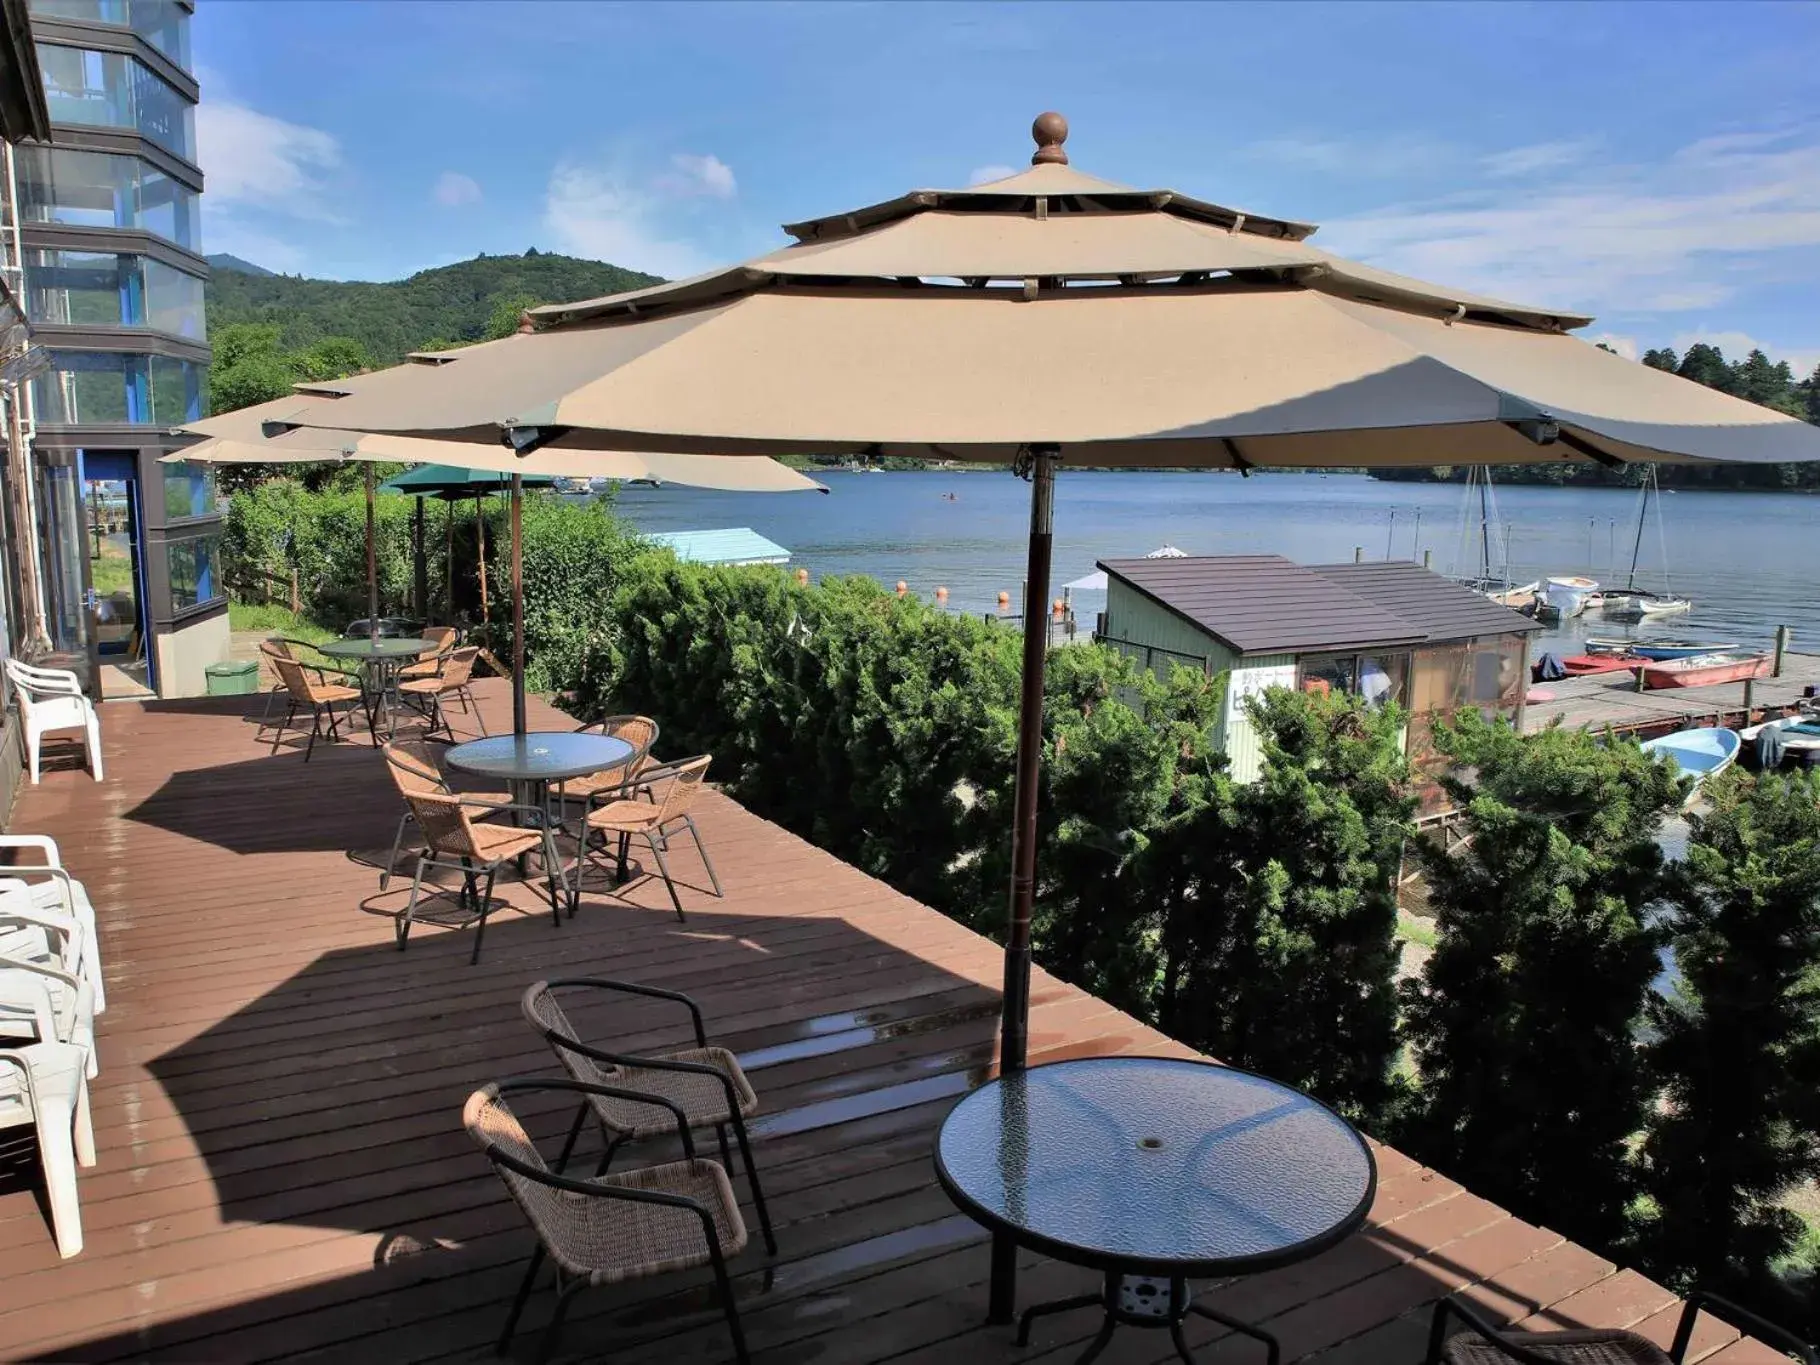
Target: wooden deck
<point>283,1173</point>
<point>1599,700</point>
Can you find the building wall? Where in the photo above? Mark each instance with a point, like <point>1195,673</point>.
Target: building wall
<point>186,649</point>
<point>1238,736</point>
<point>115,294</point>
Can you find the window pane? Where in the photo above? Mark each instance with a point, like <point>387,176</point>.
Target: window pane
<point>173,301</point>
<point>101,189</point>
<point>189,491</point>
<point>1327,673</point>
<point>90,387</point>
<point>112,90</point>
<point>84,287</point>
<point>162,23</point>
<point>1384,678</point>
<point>195,571</point>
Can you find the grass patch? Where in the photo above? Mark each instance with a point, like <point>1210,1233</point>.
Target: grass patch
<point>1416,930</point>
<point>271,619</point>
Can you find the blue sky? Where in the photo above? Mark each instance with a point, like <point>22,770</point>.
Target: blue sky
<point>1656,164</point>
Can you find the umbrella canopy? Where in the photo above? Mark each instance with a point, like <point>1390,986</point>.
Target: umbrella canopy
<point>455,483</point>
<point>1096,581</point>
<point>1141,327</point>
<point>270,433</point>
<point>1054,310</point>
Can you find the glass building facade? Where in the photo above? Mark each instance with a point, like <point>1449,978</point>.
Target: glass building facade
<point>111,247</point>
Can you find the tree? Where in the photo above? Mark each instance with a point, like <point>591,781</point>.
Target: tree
<point>1523,1022</point>
<point>1737,1047</point>
<point>1810,396</point>
<point>508,313</point>
<point>1706,365</point>
<point>1285,934</point>
<point>1663,359</point>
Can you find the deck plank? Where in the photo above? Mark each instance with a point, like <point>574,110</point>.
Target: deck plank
<point>283,1175</point>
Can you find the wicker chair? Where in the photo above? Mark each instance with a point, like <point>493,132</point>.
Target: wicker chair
<point>284,647</point>
<point>1483,1344</point>
<point>412,765</point>
<point>453,680</point>
<point>638,731</point>
<point>321,696</point>
<point>455,842</point>
<point>673,789</point>
<point>705,1084</point>
<point>613,1228</point>
<point>441,640</point>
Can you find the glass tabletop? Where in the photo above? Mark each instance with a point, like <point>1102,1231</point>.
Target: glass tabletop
<point>380,649</point>
<point>540,756</point>
<point>1156,1164</point>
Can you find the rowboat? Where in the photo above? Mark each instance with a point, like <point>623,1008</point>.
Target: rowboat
<point>1634,604</point>
<point>1516,596</point>
<point>1660,649</point>
<point>1706,670</point>
<point>1568,594</point>
<point>1697,753</point>
<point>1580,665</point>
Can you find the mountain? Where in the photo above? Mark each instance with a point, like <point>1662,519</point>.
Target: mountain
<point>452,303</point>
<point>222,261</point>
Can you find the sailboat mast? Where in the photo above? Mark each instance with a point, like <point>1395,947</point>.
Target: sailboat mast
<point>1485,525</point>
<point>1642,508</point>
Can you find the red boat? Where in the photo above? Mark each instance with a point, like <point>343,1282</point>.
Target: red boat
<point>1706,670</point>
<point>1579,665</point>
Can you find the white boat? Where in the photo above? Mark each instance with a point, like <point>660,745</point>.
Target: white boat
<point>1697,753</point>
<point>1567,594</point>
<point>1635,604</point>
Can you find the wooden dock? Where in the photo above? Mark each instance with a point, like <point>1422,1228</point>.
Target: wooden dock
<point>283,1174</point>
<point>1603,700</point>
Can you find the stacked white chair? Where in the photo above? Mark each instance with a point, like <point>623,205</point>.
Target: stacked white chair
<point>50,972</point>
<point>51,699</point>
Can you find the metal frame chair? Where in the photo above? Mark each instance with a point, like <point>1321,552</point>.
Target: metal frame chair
<point>442,641</point>
<point>1484,1344</point>
<point>672,789</point>
<point>321,697</point>
<point>453,678</point>
<point>705,1084</point>
<point>638,731</point>
<point>456,843</point>
<point>286,647</point>
<point>412,764</point>
<point>613,1228</point>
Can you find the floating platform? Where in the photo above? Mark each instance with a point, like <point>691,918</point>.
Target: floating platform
<point>1598,700</point>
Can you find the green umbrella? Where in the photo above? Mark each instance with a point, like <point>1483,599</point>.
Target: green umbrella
<point>453,484</point>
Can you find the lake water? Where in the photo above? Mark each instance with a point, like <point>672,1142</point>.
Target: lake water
<point>1750,561</point>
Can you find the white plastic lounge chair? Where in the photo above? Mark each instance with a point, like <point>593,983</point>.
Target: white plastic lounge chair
<point>51,887</point>
<point>50,699</point>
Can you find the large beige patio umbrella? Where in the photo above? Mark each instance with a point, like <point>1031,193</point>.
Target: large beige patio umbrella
<point>1048,312</point>
<point>239,438</point>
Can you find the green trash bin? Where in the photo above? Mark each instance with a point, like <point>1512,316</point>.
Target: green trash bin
<point>235,678</point>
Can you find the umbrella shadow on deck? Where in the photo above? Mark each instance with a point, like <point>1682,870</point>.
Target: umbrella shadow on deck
<point>334,1102</point>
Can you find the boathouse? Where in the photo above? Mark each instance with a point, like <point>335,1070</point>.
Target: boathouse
<point>732,545</point>
<point>1385,630</point>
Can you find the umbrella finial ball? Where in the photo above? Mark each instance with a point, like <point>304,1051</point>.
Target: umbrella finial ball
<point>1050,131</point>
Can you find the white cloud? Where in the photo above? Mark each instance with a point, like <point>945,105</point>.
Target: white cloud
<point>1364,158</point>
<point>1688,233</point>
<point>453,189</point>
<point>1538,156</point>
<point>605,213</point>
<point>693,177</point>
<point>254,159</point>
<point>985,175</point>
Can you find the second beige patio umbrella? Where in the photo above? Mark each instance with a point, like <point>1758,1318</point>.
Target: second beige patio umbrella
<point>1054,310</point>
<point>239,438</point>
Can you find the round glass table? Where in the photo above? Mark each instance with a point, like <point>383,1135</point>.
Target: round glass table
<point>1153,1170</point>
<point>379,662</point>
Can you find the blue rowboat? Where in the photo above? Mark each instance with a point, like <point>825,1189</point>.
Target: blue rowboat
<point>1659,649</point>
<point>1697,753</point>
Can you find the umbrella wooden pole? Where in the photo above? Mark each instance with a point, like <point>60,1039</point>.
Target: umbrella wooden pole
<point>518,606</point>
<point>372,563</point>
<point>420,565</point>
<point>480,530</point>
<point>448,604</point>
<point>1014,1031</point>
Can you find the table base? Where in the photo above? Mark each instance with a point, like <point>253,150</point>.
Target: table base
<point>1144,1301</point>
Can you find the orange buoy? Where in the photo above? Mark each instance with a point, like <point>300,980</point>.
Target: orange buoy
<point>802,577</point>
<point>902,587</point>
<point>941,594</point>
<point>1004,601</point>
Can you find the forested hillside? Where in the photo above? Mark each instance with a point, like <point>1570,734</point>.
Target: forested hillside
<point>450,304</point>
<point>1756,378</point>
